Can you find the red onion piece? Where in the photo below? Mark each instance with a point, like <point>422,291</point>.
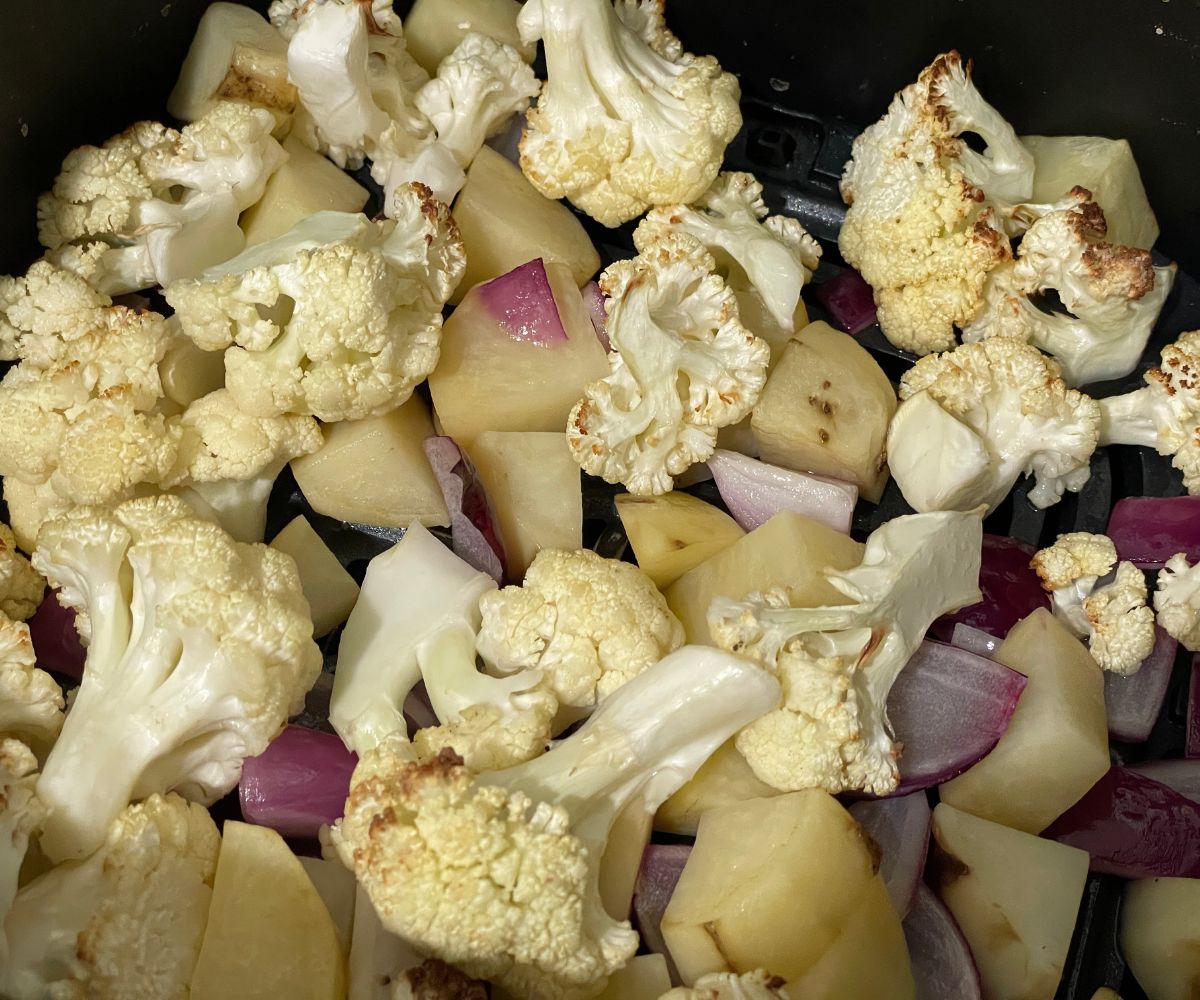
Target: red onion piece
<point>55,641</point>
<point>949,707</point>
<point>662,864</point>
<point>523,305</point>
<point>1133,702</point>
<point>1133,826</point>
<point>942,963</point>
<point>755,492</point>
<point>1192,736</point>
<point>900,827</point>
<point>594,300</point>
<point>1011,590</point>
<point>298,784</point>
<point>1182,776</point>
<point>848,300</point>
<point>472,531</point>
<point>974,640</point>
<point>1147,531</point>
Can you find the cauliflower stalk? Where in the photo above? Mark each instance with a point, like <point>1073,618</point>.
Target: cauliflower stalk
<point>626,119</point>
<point>339,318</point>
<point>199,649</point>
<point>1113,619</point>
<point>922,226</point>
<point>774,254</point>
<point>590,624</point>
<point>757,985</point>
<point>152,204</point>
<point>837,664</point>
<point>96,928</point>
<point>524,845</point>
<point>1177,601</point>
<point>974,419</point>
<point>682,367</point>
<point>1112,294</point>
<point>1165,415</point>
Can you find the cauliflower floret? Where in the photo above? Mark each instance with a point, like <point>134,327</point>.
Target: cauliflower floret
<point>682,367</point>
<point>29,507</point>
<point>1114,619</point>
<point>837,664</point>
<point>626,119</point>
<point>922,226</point>
<point>126,922</point>
<point>498,873</point>
<point>31,702</point>
<point>21,813</point>
<point>974,419</point>
<point>21,586</point>
<point>1112,294</point>
<point>1177,601</point>
<point>775,254</point>
<point>590,624</point>
<point>160,204</point>
<point>45,308</point>
<point>200,649</point>
<point>339,318</point>
<point>757,985</point>
<point>1166,414</point>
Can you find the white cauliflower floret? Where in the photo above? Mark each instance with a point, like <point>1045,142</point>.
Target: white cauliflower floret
<point>29,507</point>
<point>31,702</point>
<point>199,650</point>
<point>21,814</point>
<point>127,921</point>
<point>1177,601</point>
<point>626,119</point>
<point>682,366</point>
<point>775,254</point>
<point>161,204</point>
<point>974,419</point>
<point>1114,619</point>
<point>45,308</point>
<point>1112,294</point>
<point>523,846</point>
<point>1165,415</point>
<point>757,985</point>
<point>21,586</point>
<point>837,664</point>
<point>590,624</point>
<point>339,318</point>
<point>922,226</point>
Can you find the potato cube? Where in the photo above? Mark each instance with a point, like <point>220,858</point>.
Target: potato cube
<point>825,409</point>
<point>674,532</point>
<point>1014,895</point>
<point>505,221</point>
<point>622,858</point>
<point>1160,936</point>
<point>328,588</point>
<point>532,482</point>
<point>1059,721</point>
<point>434,28</point>
<point>723,779</point>
<point>790,551</point>
<point>374,471</point>
<point>645,977</point>
<point>335,885</point>
<point>306,184</point>
<point>189,373</point>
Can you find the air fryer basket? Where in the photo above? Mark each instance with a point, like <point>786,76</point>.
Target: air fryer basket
<point>811,75</point>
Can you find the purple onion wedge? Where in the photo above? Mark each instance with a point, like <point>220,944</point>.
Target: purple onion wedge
<point>1192,735</point>
<point>597,311</point>
<point>849,301</point>
<point>1182,776</point>
<point>522,303</point>
<point>472,531</point>
<point>1011,590</point>
<point>975,640</point>
<point>900,828</point>
<point>1147,531</point>
<point>756,491</point>
<point>55,641</point>
<point>1133,702</point>
<point>662,864</point>
<point>942,963</point>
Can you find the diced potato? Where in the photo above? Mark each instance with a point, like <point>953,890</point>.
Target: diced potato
<point>1014,895</point>
<point>790,551</point>
<point>335,885</point>
<point>674,532</point>
<point>505,221</point>
<point>825,409</point>
<point>622,858</point>
<point>645,977</point>
<point>434,28</point>
<point>328,588</point>
<point>532,482</point>
<point>189,373</point>
<point>489,380</point>
<point>1106,168</point>
<point>306,184</point>
<point>374,471</point>
<point>269,934</point>
<point>774,884</point>
<point>1160,936</point>
<point>723,779</point>
<point>1056,744</point>
<point>236,55</point>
